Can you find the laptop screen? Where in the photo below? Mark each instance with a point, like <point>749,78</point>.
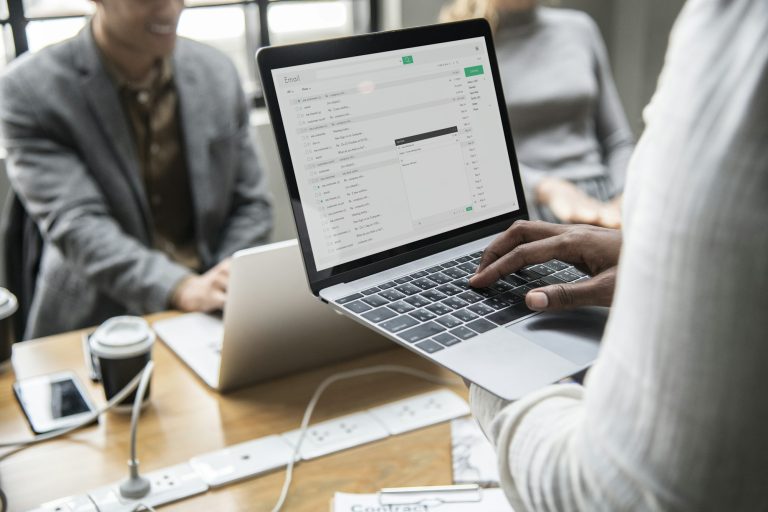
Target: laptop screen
<point>393,147</point>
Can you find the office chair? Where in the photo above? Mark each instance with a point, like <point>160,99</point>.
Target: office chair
<point>23,247</point>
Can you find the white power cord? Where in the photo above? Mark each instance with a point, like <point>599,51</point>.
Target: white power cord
<point>384,368</point>
<point>127,390</point>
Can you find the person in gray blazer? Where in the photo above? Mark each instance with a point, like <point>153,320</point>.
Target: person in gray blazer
<point>130,149</point>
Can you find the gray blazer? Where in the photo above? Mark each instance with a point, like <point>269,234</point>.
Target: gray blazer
<point>71,160</point>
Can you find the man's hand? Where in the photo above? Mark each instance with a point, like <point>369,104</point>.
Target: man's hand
<point>573,206</point>
<point>203,293</point>
<point>590,249</point>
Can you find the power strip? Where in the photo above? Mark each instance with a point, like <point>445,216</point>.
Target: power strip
<point>227,466</point>
<point>259,456</point>
<point>168,485</point>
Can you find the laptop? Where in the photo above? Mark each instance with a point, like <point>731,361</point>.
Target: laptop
<point>271,326</point>
<point>401,168</point>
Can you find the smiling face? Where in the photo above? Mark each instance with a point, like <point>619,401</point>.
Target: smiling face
<point>146,27</point>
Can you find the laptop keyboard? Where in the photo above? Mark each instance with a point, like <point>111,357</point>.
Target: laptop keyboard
<point>435,308</point>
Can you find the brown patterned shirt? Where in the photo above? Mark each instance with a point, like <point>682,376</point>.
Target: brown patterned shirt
<point>153,113</point>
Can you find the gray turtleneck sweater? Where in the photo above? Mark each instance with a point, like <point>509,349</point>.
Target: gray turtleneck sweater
<point>566,117</point>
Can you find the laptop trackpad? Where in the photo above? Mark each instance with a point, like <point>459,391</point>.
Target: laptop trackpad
<point>574,335</point>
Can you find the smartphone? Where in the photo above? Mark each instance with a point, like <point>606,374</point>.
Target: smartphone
<point>52,402</point>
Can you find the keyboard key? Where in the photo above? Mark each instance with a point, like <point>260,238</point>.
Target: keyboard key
<point>388,285</point>
<point>465,315</point>
<point>408,289</point>
<point>379,315</point>
<point>481,325</point>
<point>576,271</point>
<point>418,301</point>
<point>422,331</point>
<point>455,303</point>
<point>542,270</point>
<point>424,283</point>
<point>511,298</point>
<point>475,262</point>
<point>463,333</point>
<point>455,273</point>
<point>392,295</point>
<point>370,291</point>
<point>476,254</point>
<point>521,291</point>
<point>449,289</point>
<point>429,346</point>
<point>401,307</point>
<point>501,286</point>
<point>434,295</point>
<point>423,315</point>
<point>446,339</point>
<point>434,269</point>
<point>485,292</point>
<point>528,274</point>
<point>552,280</point>
<point>358,307</point>
<point>462,283</point>
<point>448,321</point>
<point>481,309</point>
<point>471,297</point>
<point>403,280</point>
<point>350,298</point>
<point>375,300</point>
<point>399,323</point>
<point>496,303</point>
<point>556,265</point>
<point>449,264</point>
<point>510,314</point>
<point>420,273</point>
<point>514,280</point>
<point>566,276</point>
<point>440,278</point>
<point>464,259</point>
<point>439,308</point>
<point>468,267</point>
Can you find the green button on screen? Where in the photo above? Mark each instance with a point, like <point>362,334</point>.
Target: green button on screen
<point>473,71</point>
<point>408,59</point>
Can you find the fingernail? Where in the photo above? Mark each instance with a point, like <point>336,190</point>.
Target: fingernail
<point>473,279</point>
<point>538,300</point>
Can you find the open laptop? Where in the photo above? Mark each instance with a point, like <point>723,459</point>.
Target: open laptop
<point>400,167</point>
<point>272,326</point>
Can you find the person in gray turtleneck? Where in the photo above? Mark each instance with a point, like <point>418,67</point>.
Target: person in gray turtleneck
<point>571,135</point>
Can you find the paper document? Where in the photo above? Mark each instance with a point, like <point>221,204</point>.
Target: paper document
<point>491,500</point>
<point>474,458</point>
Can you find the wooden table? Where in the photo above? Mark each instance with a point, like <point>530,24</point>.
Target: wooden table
<point>186,418</point>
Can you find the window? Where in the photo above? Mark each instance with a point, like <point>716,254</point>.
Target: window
<point>236,27</point>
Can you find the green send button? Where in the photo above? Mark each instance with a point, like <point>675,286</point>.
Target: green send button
<point>473,71</point>
<point>408,59</point>
<point>468,209</point>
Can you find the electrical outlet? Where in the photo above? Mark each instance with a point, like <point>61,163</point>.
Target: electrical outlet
<point>242,461</point>
<point>168,485</point>
<point>337,434</point>
<point>68,504</point>
<point>420,411</point>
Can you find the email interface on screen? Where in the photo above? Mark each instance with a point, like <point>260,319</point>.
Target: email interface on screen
<point>395,147</point>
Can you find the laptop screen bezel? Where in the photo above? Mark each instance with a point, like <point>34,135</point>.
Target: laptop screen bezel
<point>278,57</point>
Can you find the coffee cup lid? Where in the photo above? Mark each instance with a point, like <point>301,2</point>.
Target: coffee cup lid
<point>8,303</point>
<point>122,337</point>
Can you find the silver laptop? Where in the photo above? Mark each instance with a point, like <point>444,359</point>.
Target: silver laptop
<point>401,168</point>
<point>272,325</point>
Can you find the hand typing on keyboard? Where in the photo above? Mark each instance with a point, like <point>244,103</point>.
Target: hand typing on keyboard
<point>590,249</point>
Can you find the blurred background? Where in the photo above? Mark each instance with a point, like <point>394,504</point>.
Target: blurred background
<point>635,32</point>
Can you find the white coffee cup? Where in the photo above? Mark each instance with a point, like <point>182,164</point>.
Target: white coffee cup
<point>122,346</point>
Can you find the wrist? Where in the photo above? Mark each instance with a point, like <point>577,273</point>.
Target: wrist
<point>178,295</point>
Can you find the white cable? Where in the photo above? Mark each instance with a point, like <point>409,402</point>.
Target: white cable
<point>127,390</point>
<point>384,368</point>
